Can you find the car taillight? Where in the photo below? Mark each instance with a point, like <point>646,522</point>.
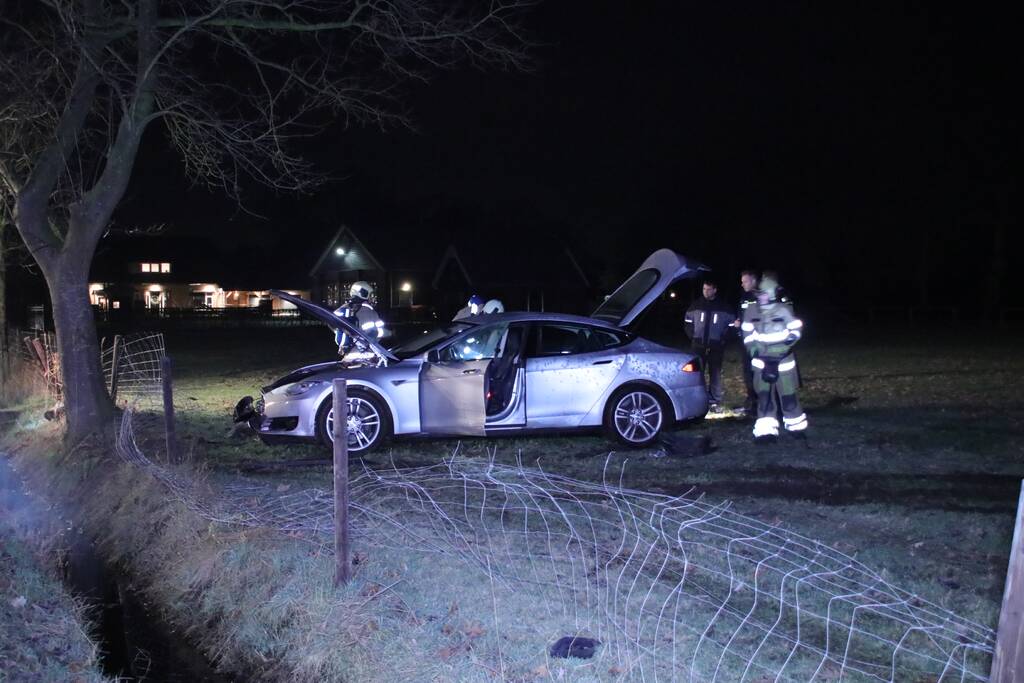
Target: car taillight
<point>690,367</point>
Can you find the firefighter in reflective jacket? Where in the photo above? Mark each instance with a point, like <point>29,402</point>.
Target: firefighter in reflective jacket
<point>770,329</point>
<point>360,313</point>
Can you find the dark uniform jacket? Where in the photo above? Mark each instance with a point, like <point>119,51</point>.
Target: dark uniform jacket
<point>708,321</point>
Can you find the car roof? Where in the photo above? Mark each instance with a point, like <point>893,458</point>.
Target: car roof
<point>538,316</point>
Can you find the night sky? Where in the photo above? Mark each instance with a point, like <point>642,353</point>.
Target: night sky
<point>861,150</point>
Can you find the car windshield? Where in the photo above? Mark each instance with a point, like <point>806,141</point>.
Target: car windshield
<point>428,340</point>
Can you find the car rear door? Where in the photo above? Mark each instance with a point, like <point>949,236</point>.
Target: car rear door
<point>569,367</point>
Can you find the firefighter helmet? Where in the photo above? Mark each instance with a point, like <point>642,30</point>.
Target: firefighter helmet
<point>769,286</point>
<point>361,290</point>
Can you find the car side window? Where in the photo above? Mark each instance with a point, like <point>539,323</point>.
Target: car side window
<point>480,344</point>
<point>599,340</point>
<point>559,339</point>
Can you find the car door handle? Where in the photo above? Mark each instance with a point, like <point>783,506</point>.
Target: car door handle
<point>603,362</point>
<point>470,372</point>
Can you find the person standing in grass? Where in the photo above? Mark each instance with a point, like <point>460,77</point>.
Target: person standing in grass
<point>770,330</point>
<point>748,281</point>
<point>707,324</point>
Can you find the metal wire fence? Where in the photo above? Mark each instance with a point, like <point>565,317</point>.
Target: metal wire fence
<point>675,588</point>
<point>132,367</point>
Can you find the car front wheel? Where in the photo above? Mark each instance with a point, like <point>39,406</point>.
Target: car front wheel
<point>369,422</point>
<point>635,415</point>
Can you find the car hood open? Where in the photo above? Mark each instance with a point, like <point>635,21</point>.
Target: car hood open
<point>643,287</point>
<point>336,323</point>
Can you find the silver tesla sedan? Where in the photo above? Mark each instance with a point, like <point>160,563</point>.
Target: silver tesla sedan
<point>500,373</point>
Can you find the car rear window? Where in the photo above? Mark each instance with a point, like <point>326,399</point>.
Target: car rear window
<point>555,339</point>
<point>625,297</point>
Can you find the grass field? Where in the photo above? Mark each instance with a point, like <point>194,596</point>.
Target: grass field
<point>913,463</point>
<point>913,466</point>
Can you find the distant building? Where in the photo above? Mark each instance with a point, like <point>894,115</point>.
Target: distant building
<point>526,277</point>
<point>399,272</point>
<point>154,275</point>
<point>441,275</point>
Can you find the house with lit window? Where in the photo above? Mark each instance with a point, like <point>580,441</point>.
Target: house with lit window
<point>155,276</point>
<point>400,272</point>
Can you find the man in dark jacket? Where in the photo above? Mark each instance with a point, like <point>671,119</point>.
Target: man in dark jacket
<point>707,324</point>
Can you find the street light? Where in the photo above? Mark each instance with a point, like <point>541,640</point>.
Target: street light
<point>339,251</point>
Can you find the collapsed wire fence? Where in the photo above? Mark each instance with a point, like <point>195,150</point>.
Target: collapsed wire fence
<point>675,588</point>
<point>132,367</point>
<point>131,363</point>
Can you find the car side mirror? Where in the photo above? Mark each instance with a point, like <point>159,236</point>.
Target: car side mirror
<point>433,356</point>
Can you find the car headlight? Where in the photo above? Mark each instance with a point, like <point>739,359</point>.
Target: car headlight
<point>301,388</point>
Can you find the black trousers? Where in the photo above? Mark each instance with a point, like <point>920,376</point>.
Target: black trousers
<point>712,358</point>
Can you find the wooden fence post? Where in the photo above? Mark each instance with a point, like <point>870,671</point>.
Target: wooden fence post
<point>169,425</point>
<point>1008,660</point>
<point>115,368</point>
<point>342,565</point>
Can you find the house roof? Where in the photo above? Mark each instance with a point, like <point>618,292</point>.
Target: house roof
<point>486,264</point>
<point>379,249</point>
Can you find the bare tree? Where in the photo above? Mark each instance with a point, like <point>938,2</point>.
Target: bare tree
<point>236,83</point>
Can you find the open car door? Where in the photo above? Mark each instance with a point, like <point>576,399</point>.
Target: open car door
<point>650,281</point>
<point>337,323</point>
<point>453,382</point>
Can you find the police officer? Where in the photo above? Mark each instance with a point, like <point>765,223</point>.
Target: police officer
<point>707,324</point>
<point>360,313</point>
<point>474,306</point>
<point>748,281</point>
<point>770,329</point>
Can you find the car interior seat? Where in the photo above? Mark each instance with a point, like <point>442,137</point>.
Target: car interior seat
<point>501,372</point>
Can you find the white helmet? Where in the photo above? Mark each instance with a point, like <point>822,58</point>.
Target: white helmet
<point>361,290</point>
<point>494,306</point>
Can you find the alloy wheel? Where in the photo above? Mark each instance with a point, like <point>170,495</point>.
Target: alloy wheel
<point>364,424</point>
<point>637,416</point>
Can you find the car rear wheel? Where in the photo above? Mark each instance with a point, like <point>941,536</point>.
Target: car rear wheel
<point>635,415</point>
<point>369,421</point>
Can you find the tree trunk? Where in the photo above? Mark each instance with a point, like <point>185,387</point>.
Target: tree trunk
<point>86,402</point>
<point>4,360</point>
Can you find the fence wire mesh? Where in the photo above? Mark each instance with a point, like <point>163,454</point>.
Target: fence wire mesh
<point>675,588</point>
<point>138,366</point>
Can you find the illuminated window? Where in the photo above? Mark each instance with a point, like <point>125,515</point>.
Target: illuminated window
<point>117,304</point>
<point>165,267</point>
<point>145,267</point>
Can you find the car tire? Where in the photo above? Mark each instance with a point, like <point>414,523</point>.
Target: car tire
<point>372,427</point>
<point>636,415</point>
